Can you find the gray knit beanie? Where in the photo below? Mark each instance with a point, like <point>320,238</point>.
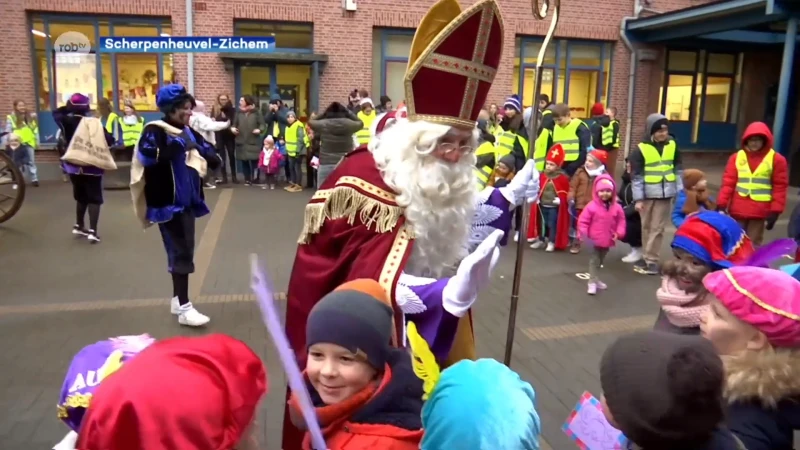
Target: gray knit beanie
<point>355,320</point>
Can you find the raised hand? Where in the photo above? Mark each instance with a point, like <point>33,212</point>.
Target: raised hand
<point>473,274</point>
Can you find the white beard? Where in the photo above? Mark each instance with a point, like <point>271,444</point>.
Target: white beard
<point>438,198</point>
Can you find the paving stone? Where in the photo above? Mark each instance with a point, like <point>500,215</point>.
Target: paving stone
<point>561,332</point>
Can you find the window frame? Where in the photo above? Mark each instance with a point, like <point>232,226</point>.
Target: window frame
<point>700,63</point>
<point>276,22</point>
<point>563,57</point>
<point>95,21</point>
<point>384,35</point>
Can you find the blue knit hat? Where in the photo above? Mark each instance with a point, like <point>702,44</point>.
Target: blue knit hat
<point>172,95</point>
<point>513,102</point>
<point>480,405</point>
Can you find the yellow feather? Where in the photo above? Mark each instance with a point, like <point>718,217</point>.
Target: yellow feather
<point>112,364</point>
<point>425,366</point>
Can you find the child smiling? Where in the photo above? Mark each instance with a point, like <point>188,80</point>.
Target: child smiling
<point>365,392</point>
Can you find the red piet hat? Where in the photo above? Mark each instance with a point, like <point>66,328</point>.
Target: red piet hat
<point>556,155</point>
<point>453,62</point>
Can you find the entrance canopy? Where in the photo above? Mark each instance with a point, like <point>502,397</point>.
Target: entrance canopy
<point>733,25</point>
<point>753,22</point>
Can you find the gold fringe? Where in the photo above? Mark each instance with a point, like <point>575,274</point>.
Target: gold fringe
<point>345,201</point>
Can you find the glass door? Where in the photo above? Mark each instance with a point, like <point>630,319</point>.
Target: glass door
<point>256,81</point>
<point>529,84</point>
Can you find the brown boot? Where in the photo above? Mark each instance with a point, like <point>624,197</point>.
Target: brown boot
<point>575,248</point>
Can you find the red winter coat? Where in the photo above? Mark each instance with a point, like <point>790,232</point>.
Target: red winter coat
<point>744,207</point>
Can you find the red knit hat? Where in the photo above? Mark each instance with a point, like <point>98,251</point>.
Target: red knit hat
<point>598,109</point>
<point>600,155</point>
<point>179,393</point>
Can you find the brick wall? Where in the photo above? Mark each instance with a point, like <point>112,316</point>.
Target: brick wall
<point>346,37</point>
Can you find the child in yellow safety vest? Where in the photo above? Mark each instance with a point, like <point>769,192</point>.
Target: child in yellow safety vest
<point>754,183</point>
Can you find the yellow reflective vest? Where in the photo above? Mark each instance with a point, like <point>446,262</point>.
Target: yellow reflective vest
<point>658,168</point>
<point>756,185</point>
<point>131,133</point>
<point>482,175</point>
<point>28,132</point>
<point>111,126</point>
<point>291,138</point>
<point>608,135</point>
<point>568,138</point>
<point>363,135</point>
<point>505,144</point>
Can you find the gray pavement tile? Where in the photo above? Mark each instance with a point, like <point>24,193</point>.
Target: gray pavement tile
<point>54,268</point>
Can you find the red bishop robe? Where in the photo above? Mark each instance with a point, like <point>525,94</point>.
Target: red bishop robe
<point>352,229</point>
<point>561,184</point>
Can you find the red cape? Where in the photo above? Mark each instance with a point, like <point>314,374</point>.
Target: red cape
<point>561,183</point>
<point>352,229</point>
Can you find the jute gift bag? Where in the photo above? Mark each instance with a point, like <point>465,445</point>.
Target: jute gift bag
<point>193,160</point>
<point>88,146</point>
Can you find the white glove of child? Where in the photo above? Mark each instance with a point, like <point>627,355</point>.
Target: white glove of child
<point>556,201</point>
<point>472,275</point>
<point>525,184</point>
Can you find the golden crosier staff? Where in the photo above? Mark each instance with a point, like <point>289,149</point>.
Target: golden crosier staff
<point>540,13</point>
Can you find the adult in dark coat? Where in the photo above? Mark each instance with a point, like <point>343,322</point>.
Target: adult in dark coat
<point>248,126</point>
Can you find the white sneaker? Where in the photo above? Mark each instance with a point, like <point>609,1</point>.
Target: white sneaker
<point>537,244</point>
<point>192,317</point>
<point>516,237</point>
<point>551,247</point>
<point>175,306</point>
<point>633,256</point>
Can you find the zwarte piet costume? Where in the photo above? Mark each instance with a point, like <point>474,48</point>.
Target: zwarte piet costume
<point>167,189</point>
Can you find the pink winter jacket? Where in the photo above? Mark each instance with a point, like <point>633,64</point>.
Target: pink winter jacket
<point>599,223</point>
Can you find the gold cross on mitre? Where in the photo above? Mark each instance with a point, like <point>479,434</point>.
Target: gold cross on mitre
<point>554,153</point>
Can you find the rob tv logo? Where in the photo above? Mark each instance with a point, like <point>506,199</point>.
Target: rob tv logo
<point>72,47</point>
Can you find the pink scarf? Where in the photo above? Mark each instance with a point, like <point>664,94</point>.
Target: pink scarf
<point>674,302</point>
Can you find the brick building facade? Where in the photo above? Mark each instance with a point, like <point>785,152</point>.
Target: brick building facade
<point>346,39</point>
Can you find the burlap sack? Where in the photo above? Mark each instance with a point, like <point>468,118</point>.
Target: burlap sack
<point>193,160</point>
<point>88,146</point>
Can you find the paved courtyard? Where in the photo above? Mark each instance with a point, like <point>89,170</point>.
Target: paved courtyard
<point>58,294</point>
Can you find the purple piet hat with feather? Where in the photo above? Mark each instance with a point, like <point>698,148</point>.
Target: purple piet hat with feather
<point>89,367</point>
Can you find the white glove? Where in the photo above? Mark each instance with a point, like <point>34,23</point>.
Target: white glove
<point>556,201</point>
<point>472,275</point>
<point>68,443</point>
<point>524,185</point>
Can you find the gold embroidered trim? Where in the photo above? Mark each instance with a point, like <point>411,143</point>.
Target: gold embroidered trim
<point>392,266</point>
<point>443,120</point>
<point>345,200</point>
<point>757,300</point>
<point>73,401</point>
<point>368,187</point>
<point>460,66</point>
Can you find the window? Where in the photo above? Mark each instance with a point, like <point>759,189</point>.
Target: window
<point>679,97</point>
<point>116,77</point>
<point>682,61</point>
<point>574,72</point>
<point>41,68</point>
<point>699,87</point>
<point>68,76</point>
<point>289,36</point>
<point>390,50</point>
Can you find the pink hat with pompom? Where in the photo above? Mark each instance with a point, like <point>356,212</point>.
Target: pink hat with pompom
<point>764,298</point>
